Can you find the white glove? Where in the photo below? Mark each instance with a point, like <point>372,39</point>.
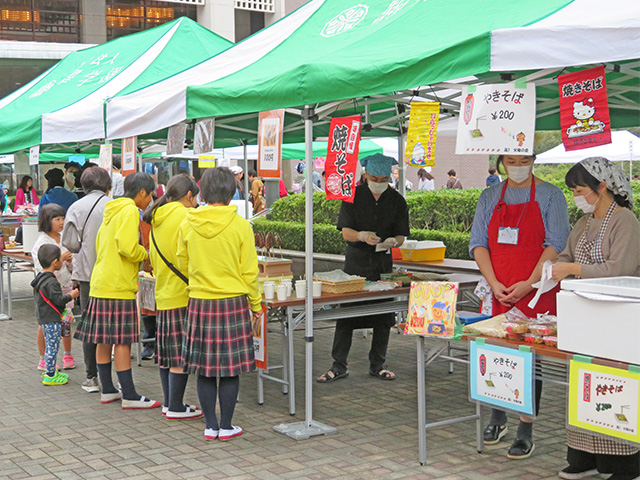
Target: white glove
<point>389,243</point>
<point>368,237</point>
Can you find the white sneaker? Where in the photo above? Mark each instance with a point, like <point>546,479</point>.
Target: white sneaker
<point>110,397</point>
<point>210,434</point>
<point>143,403</point>
<point>569,474</point>
<point>91,385</point>
<point>190,412</point>
<point>228,434</point>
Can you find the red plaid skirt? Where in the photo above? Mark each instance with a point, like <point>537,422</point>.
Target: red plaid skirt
<point>218,341</point>
<point>169,335</point>
<point>112,321</point>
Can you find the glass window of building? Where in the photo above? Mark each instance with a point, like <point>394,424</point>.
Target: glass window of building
<point>40,20</point>
<point>130,16</point>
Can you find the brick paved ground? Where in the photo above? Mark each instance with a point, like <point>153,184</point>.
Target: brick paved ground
<point>63,432</point>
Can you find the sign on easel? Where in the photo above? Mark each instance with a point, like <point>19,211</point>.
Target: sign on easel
<point>605,400</point>
<point>501,377</point>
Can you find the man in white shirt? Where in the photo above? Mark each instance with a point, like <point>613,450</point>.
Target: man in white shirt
<point>117,180</point>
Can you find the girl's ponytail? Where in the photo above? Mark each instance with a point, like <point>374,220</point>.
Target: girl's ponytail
<point>177,188</point>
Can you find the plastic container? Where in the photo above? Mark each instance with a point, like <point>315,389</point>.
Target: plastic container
<point>423,251</point>
<point>532,338</point>
<point>467,318</point>
<point>543,328</point>
<point>515,327</point>
<point>550,340</point>
<point>29,233</point>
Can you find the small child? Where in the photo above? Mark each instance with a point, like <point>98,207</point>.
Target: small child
<point>50,303</point>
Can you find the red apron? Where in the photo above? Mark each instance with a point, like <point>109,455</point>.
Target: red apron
<point>514,263</point>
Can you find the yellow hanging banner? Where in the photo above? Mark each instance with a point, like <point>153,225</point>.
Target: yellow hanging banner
<point>421,137</point>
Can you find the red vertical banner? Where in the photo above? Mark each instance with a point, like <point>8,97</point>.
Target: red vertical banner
<point>584,109</point>
<point>342,158</point>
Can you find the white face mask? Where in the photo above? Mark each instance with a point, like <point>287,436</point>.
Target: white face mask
<point>519,174</point>
<point>582,203</point>
<point>377,188</point>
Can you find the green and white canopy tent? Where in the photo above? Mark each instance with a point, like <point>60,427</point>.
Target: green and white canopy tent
<point>66,104</point>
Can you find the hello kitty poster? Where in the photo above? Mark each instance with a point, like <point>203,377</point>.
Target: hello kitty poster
<point>584,109</point>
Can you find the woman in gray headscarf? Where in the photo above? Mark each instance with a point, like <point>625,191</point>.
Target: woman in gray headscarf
<point>605,242</point>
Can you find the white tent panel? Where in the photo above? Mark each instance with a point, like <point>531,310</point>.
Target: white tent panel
<point>571,36</point>
<point>624,146</point>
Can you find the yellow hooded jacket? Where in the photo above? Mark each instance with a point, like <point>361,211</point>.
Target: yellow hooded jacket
<point>171,291</point>
<point>217,252</point>
<point>115,274</point>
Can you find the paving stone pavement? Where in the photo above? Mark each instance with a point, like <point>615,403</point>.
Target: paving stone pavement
<point>64,432</point>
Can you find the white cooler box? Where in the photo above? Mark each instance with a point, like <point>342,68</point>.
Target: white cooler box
<point>600,317</point>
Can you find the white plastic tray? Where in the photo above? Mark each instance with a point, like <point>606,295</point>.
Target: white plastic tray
<point>623,286</point>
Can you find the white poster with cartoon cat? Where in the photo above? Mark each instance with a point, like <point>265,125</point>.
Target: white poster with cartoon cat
<point>497,119</point>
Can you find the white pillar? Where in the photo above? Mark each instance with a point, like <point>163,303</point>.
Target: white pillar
<point>219,16</point>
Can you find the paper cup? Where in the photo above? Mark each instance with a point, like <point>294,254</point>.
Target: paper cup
<point>281,291</point>
<point>301,288</point>
<point>317,289</point>
<point>269,290</point>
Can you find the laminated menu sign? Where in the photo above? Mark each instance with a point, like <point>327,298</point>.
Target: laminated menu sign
<point>584,109</point>
<point>270,131</point>
<point>129,152</point>
<point>501,376</point>
<point>497,119</point>
<point>342,158</point>
<point>259,328</point>
<point>432,309</point>
<point>421,137</point>
<point>605,400</point>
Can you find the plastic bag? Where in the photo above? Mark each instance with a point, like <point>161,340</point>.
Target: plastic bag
<point>67,316</point>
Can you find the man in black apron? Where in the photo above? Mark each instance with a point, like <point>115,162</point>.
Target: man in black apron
<point>376,221</point>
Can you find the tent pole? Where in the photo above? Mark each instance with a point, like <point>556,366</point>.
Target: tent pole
<point>308,428</point>
<point>401,165</point>
<point>246,180</point>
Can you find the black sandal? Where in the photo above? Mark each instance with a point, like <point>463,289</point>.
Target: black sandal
<point>383,374</point>
<point>331,375</point>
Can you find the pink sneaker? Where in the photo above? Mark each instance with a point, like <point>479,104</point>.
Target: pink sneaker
<point>43,366</point>
<point>67,362</point>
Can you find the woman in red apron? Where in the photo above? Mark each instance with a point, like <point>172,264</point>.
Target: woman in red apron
<point>519,224</point>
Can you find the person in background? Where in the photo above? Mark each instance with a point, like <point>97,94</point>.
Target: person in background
<point>117,180</point>
<point>50,225</point>
<point>518,225</point>
<point>26,193</point>
<point>56,192</point>
<point>111,316</point>
<point>315,177</point>
<point>493,179</point>
<point>238,172</point>
<point>426,180</point>
<point>81,226</point>
<point>3,198</point>
<point>50,302</point>
<point>257,189</point>
<point>223,300</point>
<point>395,178</point>
<point>636,178</point>
<point>71,175</point>
<point>376,222</point>
<point>453,181</point>
<point>605,242</point>
<point>282,187</point>
<point>171,291</point>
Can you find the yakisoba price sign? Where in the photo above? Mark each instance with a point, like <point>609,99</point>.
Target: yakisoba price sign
<point>342,158</point>
<point>270,143</point>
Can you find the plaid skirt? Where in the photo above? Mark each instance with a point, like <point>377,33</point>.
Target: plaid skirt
<point>218,341</point>
<point>170,325</point>
<point>112,321</point>
<point>587,442</point>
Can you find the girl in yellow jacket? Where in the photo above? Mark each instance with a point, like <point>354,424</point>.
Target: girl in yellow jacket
<point>216,251</point>
<point>111,316</point>
<point>172,297</point>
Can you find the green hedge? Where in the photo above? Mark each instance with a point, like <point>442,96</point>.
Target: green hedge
<point>328,239</point>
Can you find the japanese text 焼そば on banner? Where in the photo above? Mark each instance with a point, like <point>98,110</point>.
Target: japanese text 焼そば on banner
<point>584,109</point>
<point>497,119</point>
<point>341,163</point>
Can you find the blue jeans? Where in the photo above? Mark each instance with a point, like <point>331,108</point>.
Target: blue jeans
<point>52,334</point>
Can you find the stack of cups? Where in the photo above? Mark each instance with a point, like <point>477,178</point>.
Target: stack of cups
<point>269,290</point>
<point>281,291</point>
<point>317,288</point>
<point>287,283</point>
<point>301,289</point>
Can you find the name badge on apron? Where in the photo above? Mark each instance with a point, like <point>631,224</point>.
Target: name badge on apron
<point>508,235</point>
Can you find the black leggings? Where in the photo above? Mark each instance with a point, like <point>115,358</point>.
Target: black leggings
<point>226,390</point>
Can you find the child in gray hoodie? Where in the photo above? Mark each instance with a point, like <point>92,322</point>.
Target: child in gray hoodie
<point>50,303</point>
